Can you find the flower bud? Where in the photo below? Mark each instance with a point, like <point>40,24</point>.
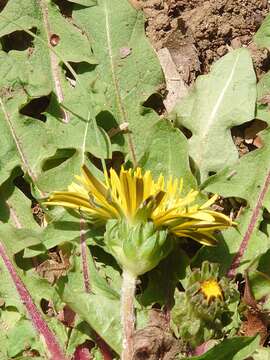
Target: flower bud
<point>207,307</point>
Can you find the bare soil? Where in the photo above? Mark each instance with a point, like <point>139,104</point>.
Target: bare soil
<point>199,32</point>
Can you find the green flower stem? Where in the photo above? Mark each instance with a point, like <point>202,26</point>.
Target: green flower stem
<point>127,314</point>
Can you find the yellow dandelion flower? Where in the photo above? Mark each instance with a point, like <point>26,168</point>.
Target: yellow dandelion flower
<point>137,197</point>
<point>211,290</point>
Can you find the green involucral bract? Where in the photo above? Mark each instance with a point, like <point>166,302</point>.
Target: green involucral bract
<point>206,307</point>
<point>137,248</point>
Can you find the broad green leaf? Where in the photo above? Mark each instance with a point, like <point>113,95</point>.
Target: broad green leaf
<point>8,321</point>
<point>238,348</point>
<point>166,152</point>
<point>81,332</point>
<point>99,275</point>
<point>15,207</point>
<point>21,337</point>
<point>248,179</point>
<point>259,280</point>
<point>105,279</point>
<point>44,74</point>
<point>16,240</point>
<point>16,130</point>
<point>230,242</point>
<point>39,73</point>
<point>63,227</point>
<point>127,67</point>
<point>12,71</point>
<point>8,293</point>
<point>163,279</point>
<point>101,313</point>
<point>262,110</point>
<point>220,100</point>
<point>262,36</point>
<point>261,354</point>
<point>73,140</point>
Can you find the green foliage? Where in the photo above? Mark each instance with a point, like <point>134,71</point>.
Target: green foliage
<point>259,280</point>
<point>238,348</point>
<point>84,99</point>
<point>262,37</point>
<point>120,47</point>
<point>262,111</point>
<point>100,312</point>
<point>220,100</point>
<point>247,179</point>
<point>166,153</point>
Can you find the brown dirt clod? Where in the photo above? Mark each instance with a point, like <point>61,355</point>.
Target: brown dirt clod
<point>155,342</point>
<point>202,31</point>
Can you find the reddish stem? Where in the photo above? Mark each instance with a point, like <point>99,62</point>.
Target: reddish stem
<point>82,353</point>
<point>85,269</point>
<point>103,347</point>
<point>254,217</point>
<point>36,317</point>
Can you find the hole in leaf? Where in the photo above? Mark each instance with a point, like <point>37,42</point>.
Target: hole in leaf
<point>45,306</point>
<point>185,131</point>
<point>65,7</point>
<point>116,161</point>
<point>190,247</point>
<point>246,136</point>
<point>60,156</point>
<point>96,161</point>
<point>107,121</point>
<point>102,258</point>
<point>54,108</point>
<point>264,225</point>
<point>79,68</point>
<point>155,102</point>
<point>36,107</point>
<point>38,213</point>
<point>232,206</point>
<point>265,65</point>
<point>3,3</point>
<point>194,169</point>
<point>17,40</point>
<point>23,185</point>
<point>6,191</point>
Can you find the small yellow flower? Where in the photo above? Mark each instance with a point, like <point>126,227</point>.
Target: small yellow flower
<point>136,197</point>
<point>211,290</point>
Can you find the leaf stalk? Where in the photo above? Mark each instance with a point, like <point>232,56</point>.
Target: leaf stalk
<point>41,326</point>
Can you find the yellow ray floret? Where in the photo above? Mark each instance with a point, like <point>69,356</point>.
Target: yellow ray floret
<point>211,290</point>
<point>137,197</point>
